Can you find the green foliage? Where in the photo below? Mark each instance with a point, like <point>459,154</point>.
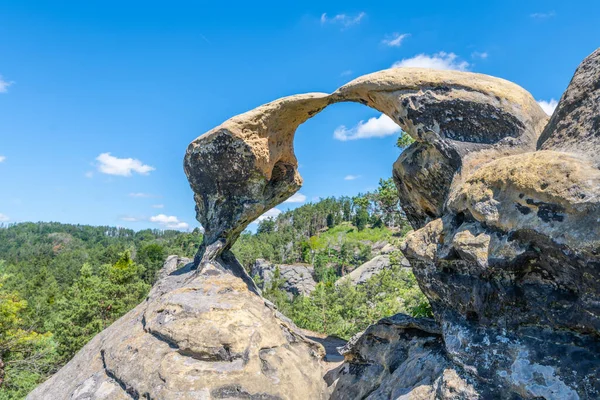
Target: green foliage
<point>404,140</point>
<point>94,301</point>
<point>63,283</point>
<point>25,355</point>
<point>344,309</point>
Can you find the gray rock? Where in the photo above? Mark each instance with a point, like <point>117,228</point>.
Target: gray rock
<point>205,336</point>
<point>297,278</point>
<point>575,124</point>
<point>401,358</point>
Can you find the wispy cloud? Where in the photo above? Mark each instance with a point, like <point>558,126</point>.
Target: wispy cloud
<point>169,222</point>
<point>158,206</point>
<point>4,218</point>
<point>4,84</point>
<point>129,219</point>
<point>89,174</point>
<point>346,72</point>
<point>479,55</point>
<point>296,198</point>
<point>271,214</point>
<point>548,106</point>
<point>351,177</point>
<point>441,60</point>
<point>141,195</point>
<point>2,159</point>
<point>111,165</point>
<point>395,39</point>
<point>543,15</point>
<point>375,127</point>
<point>344,20</point>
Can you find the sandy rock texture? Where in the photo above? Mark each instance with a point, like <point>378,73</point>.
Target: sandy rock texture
<point>201,336</point>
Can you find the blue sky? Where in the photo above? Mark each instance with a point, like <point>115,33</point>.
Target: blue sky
<point>99,99</point>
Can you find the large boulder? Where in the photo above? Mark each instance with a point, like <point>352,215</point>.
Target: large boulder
<point>297,279</point>
<point>203,336</point>
<point>512,267</point>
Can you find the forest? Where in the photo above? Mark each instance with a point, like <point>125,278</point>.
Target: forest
<point>62,284</point>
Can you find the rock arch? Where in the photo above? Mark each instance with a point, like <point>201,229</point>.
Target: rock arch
<point>247,165</point>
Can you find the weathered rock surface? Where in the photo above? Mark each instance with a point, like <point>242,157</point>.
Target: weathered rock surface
<point>203,336</point>
<point>400,358</point>
<point>575,124</point>
<point>297,278</point>
<point>512,268</point>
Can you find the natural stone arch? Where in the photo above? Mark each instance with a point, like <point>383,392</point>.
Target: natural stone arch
<point>247,165</point>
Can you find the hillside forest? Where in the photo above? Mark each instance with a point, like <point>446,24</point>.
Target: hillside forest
<point>62,284</point>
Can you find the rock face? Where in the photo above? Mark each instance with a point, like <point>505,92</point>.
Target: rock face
<point>203,336</point>
<point>401,358</point>
<point>297,278</point>
<point>575,124</point>
<point>512,267</point>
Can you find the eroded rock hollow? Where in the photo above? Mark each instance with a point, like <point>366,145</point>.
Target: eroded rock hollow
<point>506,210</point>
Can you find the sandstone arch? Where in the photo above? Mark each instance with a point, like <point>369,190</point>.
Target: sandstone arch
<point>247,165</point>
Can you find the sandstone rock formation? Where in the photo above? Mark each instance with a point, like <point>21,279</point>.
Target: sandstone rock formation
<point>297,278</point>
<point>506,247</point>
<point>201,336</point>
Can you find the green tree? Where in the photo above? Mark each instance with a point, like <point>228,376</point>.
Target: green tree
<point>25,355</point>
<point>404,140</point>
<point>95,301</point>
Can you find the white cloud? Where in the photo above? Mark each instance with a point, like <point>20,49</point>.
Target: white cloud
<point>395,40</point>
<point>543,15</point>
<point>481,55</point>
<point>548,106</point>
<point>351,177</point>
<point>375,127</point>
<point>158,206</point>
<point>141,195</point>
<point>2,159</point>
<point>271,214</point>
<point>441,60</point>
<point>89,174</point>
<point>169,221</point>
<point>346,72</point>
<point>296,198</point>
<point>4,85</point>
<point>342,19</point>
<point>129,219</point>
<point>121,166</point>
<point>4,218</point>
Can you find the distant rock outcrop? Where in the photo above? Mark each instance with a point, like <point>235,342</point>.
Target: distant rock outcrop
<point>297,279</point>
<point>367,270</point>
